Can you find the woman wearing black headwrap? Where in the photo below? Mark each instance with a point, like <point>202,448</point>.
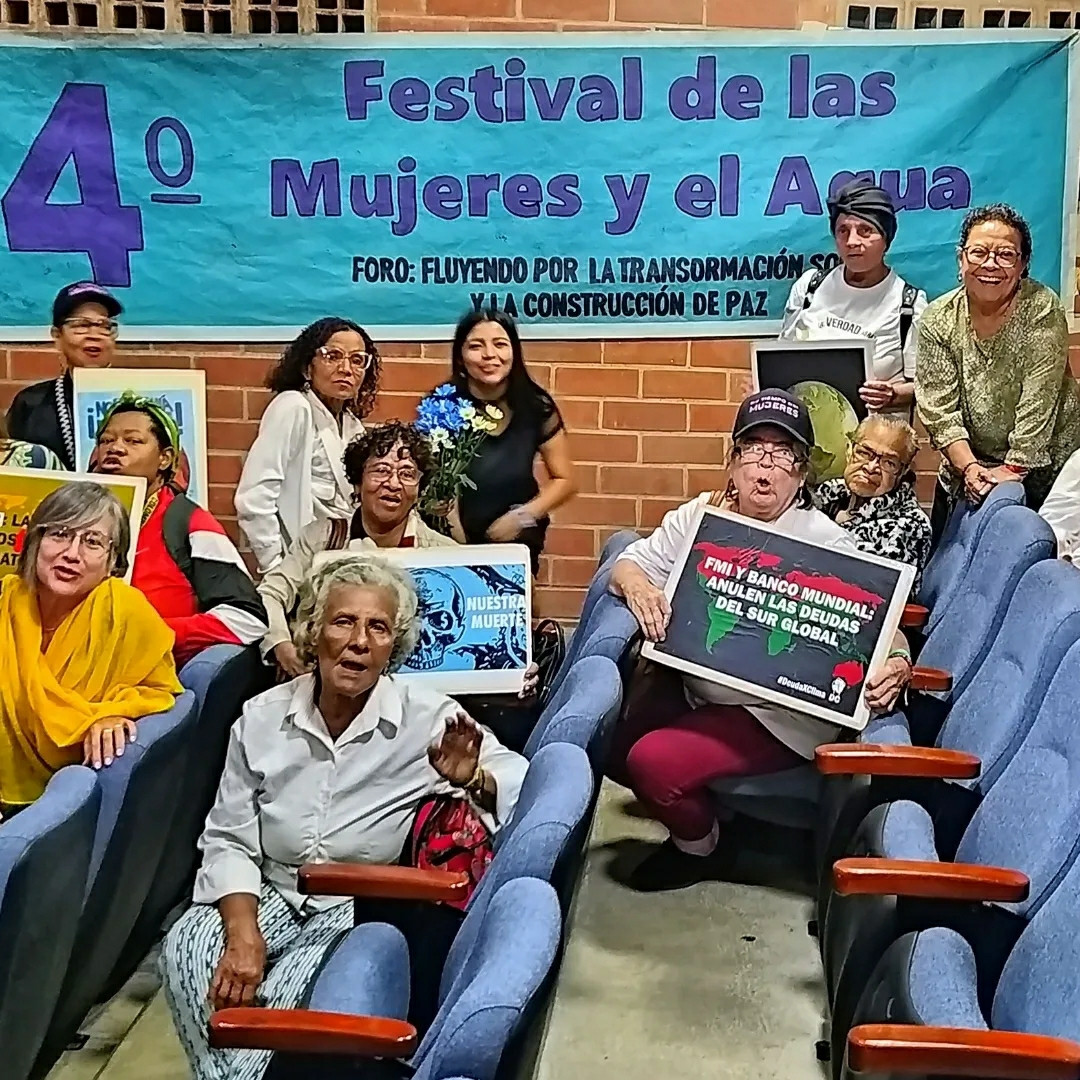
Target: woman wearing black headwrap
<point>862,297</point>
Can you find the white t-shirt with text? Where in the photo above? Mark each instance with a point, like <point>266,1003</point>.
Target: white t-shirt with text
<point>838,310</point>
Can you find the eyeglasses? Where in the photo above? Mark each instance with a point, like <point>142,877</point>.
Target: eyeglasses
<point>782,457</point>
<point>1006,258</point>
<point>358,361</point>
<point>408,475</point>
<point>91,542</point>
<point>82,327</point>
<point>863,455</point>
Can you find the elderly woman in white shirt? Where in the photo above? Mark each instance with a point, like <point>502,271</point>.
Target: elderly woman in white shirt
<point>330,767</point>
<point>681,735</point>
<point>325,384</point>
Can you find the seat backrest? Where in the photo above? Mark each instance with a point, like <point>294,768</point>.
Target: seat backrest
<point>513,950</point>
<point>554,796</point>
<point>953,556</point>
<point>222,679</point>
<point>996,709</point>
<point>586,640</point>
<point>1029,818</point>
<point>44,862</point>
<point>139,795</point>
<point>584,708</point>
<point>1013,540</point>
<point>1039,988</point>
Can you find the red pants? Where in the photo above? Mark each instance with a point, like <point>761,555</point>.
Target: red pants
<point>668,753</point>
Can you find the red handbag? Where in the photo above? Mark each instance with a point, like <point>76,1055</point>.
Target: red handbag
<point>448,834</point>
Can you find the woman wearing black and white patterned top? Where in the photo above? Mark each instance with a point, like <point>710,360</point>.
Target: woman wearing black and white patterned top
<point>875,498</point>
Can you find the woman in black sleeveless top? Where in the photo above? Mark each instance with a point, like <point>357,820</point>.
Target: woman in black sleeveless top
<point>507,503</point>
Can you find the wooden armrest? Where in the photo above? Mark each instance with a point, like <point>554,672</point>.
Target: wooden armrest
<point>929,880</point>
<point>930,678</point>
<point>877,759</point>
<point>1004,1055</point>
<point>382,882</point>
<point>303,1031</point>
<point>914,616</point>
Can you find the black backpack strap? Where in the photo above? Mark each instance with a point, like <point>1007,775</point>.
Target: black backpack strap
<point>907,312</point>
<point>812,287</point>
<point>339,534</point>
<point>176,529</point>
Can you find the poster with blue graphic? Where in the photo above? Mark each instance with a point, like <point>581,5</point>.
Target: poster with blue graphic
<point>475,615</point>
<point>181,393</point>
<point>592,185</point>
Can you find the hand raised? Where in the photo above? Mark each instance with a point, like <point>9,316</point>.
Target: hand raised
<point>456,757</point>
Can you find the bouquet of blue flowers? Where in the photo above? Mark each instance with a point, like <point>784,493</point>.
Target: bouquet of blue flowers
<point>454,428</point>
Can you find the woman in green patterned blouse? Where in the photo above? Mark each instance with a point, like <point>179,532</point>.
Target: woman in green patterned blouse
<point>992,381</point>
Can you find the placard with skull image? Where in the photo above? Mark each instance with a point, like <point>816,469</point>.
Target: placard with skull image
<point>475,610</point>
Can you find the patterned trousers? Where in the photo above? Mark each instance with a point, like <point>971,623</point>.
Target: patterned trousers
<point>295,946</point>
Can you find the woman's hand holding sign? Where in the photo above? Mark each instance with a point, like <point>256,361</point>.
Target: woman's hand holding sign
<point>647,602</point>
<point>885,685</point>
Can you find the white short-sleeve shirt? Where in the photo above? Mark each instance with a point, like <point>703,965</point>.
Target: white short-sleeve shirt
<point>838,310</point>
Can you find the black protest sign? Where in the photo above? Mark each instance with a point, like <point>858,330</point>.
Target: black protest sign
<point>784,620</point>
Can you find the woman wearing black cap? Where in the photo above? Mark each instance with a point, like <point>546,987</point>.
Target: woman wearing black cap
<point>682,733</point>
<point>84,332</point>
<point>862,297</point>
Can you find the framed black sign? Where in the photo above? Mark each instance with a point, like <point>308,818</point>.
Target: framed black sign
<point>825,376</point>
<point>783,620</point>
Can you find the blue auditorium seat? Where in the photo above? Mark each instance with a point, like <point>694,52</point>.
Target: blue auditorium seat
<point>44,862</point>
<point>1027,820</point>
<point>222,678</point>
<point>954,552</point>
<point>484,998</point>
<point>606,626</point>
<point>140,792</point>
<point>1014,540</point>
<point>584,709</point>
<point>998,976</point>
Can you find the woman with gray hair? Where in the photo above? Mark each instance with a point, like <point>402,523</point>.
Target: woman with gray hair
<point>330,767</point>
<point>875,499</point>
<point>84,654</point>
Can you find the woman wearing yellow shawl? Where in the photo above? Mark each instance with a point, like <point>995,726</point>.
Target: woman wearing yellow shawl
<point>82,654</point>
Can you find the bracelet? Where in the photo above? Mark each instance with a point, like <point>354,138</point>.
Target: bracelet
<point>1019,470</point>
<point>476,784</point>
<point>963,471</point>
<point>902,654</point>
<point>524,518</point>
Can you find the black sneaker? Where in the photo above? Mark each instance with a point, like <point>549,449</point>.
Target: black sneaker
<point>667,869</point>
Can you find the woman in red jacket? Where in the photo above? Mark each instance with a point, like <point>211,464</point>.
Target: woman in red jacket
<point>185,563</point>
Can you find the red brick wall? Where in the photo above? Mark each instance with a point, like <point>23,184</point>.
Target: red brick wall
<point>647,419</point>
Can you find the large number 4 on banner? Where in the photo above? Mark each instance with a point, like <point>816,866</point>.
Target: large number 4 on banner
<point>99,224</point>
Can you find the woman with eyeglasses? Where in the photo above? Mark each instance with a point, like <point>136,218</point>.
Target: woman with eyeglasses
<point>84,656</point>
<point>185,564</point>
<point>992,381</point>
<point>325,384</point>
<point>385,467</point>
<point>84,332</point>
<point>681,733</point>
<point>875,499</point>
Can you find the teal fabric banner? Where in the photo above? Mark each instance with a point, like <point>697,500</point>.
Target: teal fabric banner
<point>594,185</point>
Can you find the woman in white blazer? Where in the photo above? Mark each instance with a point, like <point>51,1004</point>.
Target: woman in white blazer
<point>324,384</point>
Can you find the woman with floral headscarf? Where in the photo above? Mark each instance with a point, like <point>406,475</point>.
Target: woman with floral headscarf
<point>185,563</point>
